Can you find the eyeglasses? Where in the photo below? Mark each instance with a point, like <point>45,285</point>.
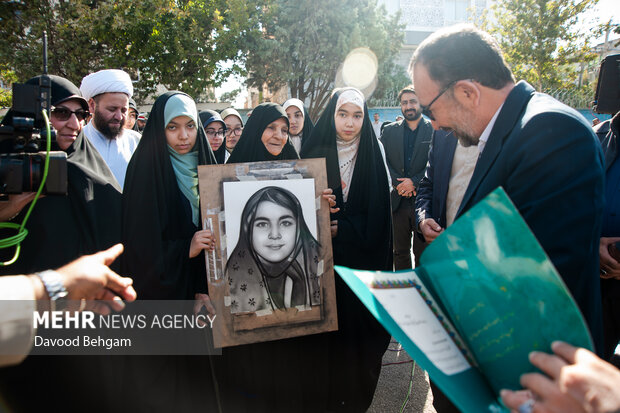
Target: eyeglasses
<point>426,110</point>
<point>211,133</point>
<point>64,113</point>
<point>236,131</point>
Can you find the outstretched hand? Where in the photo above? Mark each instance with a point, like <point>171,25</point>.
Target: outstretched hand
<point>90,278</point>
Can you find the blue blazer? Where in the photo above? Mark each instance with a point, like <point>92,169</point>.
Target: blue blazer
<point>433,189</point>
<point>547,158</point>
<point>550,163</point>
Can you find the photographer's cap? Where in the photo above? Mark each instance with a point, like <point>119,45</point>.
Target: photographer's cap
<point>62,90</point>
<point>106,81</point>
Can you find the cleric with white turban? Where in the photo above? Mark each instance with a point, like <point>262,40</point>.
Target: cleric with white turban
<point>106,81</point>
<point>108,92</point>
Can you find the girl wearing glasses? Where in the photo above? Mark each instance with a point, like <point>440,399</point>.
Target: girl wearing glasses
<point>215,129</point>
<point>234,128</point>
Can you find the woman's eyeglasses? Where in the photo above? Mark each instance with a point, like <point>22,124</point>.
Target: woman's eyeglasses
<point>64,113</point>
<point>236,131</point>
<point>212,133</point>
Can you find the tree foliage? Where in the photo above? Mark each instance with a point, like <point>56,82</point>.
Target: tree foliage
<point>303,43</point>
<point>178,44</point>
<point>7,77</point>
<point>605,29</point>
<point>539,39</point>
<point>230,96</point>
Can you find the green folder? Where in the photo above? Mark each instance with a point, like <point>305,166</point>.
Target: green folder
<point>485,295</point>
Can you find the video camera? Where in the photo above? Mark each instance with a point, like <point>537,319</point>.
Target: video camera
<point>607,97</point>
<point>21,159</point>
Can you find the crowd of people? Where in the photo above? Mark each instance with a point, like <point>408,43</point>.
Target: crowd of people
<point>392,189</point>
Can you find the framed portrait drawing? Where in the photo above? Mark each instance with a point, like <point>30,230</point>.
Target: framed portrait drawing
<point>271,274</point>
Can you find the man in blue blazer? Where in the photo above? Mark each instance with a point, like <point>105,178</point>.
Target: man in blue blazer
<point>543,153</point>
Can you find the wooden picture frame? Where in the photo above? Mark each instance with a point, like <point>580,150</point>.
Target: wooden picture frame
<point>271,273</point>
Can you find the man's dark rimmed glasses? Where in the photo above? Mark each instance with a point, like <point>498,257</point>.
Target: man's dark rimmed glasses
<point>426,110</point>
<point>63,114</point>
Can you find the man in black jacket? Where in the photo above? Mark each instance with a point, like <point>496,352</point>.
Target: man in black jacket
<point>406,150</point>
<point>608,133</point>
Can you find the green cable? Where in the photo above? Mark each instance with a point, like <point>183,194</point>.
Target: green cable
<point>22,232</point>
<point>402,408</point>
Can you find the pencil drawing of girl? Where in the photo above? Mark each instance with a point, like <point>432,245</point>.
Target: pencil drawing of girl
<point>274,264</point>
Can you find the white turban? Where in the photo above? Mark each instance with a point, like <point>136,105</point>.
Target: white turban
<point>106,81</point>
<point>294,102</point>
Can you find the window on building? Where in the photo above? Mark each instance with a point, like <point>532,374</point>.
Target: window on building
<point>456,10</point>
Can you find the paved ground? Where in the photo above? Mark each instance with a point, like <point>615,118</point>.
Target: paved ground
<point>395,380</point>
<point>394,385</point>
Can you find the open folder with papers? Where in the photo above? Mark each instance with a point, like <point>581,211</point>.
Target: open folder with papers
<point>485,295</point>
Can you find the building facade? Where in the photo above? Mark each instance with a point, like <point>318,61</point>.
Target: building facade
<point>423,17</point>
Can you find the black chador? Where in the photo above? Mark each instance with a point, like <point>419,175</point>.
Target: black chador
<point>159,221</point>
<point>364,241</point>
<point>250,148</point>
<point>157,217</point>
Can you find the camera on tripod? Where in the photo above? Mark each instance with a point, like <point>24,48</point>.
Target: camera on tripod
<point>22,138</point>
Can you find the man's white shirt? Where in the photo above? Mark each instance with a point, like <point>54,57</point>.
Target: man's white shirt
<point>115,152</point>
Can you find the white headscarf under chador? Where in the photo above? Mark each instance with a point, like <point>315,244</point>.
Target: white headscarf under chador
<point>351,95</point>
<point>294,102</point>
<point>106,81</point>
<point>347,150</point>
